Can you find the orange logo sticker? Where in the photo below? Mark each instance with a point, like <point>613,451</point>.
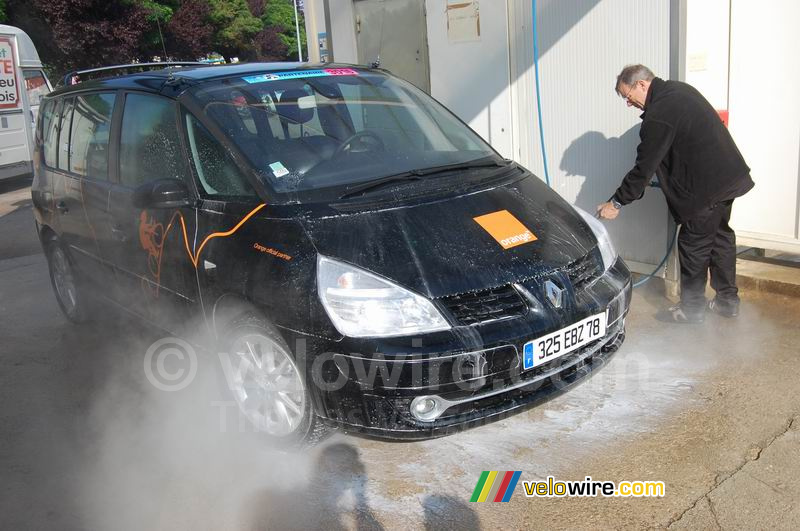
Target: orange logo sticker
<point>505,228</point>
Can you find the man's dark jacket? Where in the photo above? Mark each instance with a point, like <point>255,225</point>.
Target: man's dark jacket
<point>686,144</point>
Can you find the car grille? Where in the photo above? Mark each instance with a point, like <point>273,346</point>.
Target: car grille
<point>486,305</point>
<point>504,302</point>
<point>585,269</point>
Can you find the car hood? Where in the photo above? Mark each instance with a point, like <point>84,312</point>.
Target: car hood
<point>439,248</point>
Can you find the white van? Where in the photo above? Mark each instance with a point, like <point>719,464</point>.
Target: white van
<point>22,86</point>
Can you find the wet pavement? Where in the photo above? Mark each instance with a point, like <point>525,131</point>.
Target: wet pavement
<point>86,442</point>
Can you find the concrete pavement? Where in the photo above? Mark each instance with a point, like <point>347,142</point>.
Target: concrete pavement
<point>87,443</point>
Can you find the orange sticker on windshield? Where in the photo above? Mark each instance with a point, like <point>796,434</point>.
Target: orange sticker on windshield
<point>506,229</point>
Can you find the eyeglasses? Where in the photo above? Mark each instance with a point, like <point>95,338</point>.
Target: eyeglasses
<point>626,96</point>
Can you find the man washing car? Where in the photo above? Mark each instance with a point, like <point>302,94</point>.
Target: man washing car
<point>701,172</point>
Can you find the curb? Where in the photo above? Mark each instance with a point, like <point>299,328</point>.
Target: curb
<point>766,285</point>
<point>768,278</point>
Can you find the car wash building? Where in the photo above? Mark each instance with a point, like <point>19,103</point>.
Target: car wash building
<point>536,79</point>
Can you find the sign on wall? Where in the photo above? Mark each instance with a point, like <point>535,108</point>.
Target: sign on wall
<point>322,42</point>
<point>9,85</point>
<point>463,21</point>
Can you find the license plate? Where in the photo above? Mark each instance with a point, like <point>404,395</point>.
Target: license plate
<point>554,345</point>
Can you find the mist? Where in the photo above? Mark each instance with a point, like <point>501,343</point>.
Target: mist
<point>186,459</point>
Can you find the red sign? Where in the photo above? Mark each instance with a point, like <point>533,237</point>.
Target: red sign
<point>9,84</point>
<point>723,115</point>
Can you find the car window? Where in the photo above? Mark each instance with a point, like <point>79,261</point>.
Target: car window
<point>150,148</point>
<point>36,86</point>
<point>218,174</point>
<point>51,122</point>
<point>309,130</point>
<point>91,124</point>
<point>351,95</point>
<point>46,118</point>
<point>303,123</point>
<point>63,136</point>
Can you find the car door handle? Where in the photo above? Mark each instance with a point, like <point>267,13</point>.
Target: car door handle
<point>118,234</point>
<point>62,207</point>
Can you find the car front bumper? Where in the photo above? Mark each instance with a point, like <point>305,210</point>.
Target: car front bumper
<point>373,393</point>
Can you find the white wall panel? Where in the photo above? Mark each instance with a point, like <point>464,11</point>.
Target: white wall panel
<point>471,78</point>
<point>591,136</point>
<point>765,116</point>
<point>343,30</point>
<point>707,32</point>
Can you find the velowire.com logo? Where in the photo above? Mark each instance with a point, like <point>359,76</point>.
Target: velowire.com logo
<point>495,486</point>
<point>499,486</point>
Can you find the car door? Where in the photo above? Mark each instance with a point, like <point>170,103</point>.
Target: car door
<point>44,161</point>
<point>81,182</point>
<point>36,87</point>
<point>156,277</point>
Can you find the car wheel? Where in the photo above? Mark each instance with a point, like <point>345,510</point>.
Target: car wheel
<point>267,385</point>
<point>71,297</point>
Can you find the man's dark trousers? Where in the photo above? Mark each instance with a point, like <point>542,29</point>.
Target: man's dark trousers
<point>707,242</point>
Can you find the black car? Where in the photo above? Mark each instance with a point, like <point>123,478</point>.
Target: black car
<point>364,257</point>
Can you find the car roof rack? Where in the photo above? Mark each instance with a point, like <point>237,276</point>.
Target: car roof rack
<point>72,78</point>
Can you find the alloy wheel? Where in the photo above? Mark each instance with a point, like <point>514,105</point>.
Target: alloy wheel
<point>267,385</point>
<point>64,281</point>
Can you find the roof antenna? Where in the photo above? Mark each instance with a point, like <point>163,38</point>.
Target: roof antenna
<point>163,47</point>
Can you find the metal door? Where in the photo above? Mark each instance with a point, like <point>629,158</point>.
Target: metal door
<point>393,34</point>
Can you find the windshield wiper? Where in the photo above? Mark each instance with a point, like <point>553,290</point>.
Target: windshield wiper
<point>463,166</point>
<point>416,175</point>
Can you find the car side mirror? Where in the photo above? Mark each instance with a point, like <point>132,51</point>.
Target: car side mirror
<point>163,193</point>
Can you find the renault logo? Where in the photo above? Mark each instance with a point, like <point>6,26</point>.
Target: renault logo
<point>554,293</point>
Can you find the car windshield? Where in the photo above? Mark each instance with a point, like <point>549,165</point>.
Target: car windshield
<point>321,130</point>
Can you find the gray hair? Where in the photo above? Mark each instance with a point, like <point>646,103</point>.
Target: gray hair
<point>631,74</point>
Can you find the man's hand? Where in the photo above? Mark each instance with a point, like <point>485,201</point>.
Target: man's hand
<point>607,211</point>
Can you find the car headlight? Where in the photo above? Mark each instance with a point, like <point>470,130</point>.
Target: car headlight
<point>603,239</point>
<point>361,304</point>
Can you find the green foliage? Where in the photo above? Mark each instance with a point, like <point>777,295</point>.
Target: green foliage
<point>157,13</point>
<point>234,26</point>
<point>280,14</point>
<point>161,11</point>
<point>73,34</point>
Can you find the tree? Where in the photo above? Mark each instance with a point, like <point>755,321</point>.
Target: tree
<point>256,7</point>
<point>235,26</point>
<point>89,33</point>
<point>190,34</point>
<point>24,15</point>
<point>77,34</point>
<point>268,46</point>
<point>279,14</point>
<point>159,13</point>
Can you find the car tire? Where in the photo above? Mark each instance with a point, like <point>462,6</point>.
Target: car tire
<point>270,391</point>
<point>70,293</point>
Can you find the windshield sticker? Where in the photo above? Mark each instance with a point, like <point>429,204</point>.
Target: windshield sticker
<point>278,169</point>
<point>297,74</point>
<point>505,228</point>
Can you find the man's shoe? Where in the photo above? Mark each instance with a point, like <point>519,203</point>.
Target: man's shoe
<point>725,309</point>
<point>682,314</point>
